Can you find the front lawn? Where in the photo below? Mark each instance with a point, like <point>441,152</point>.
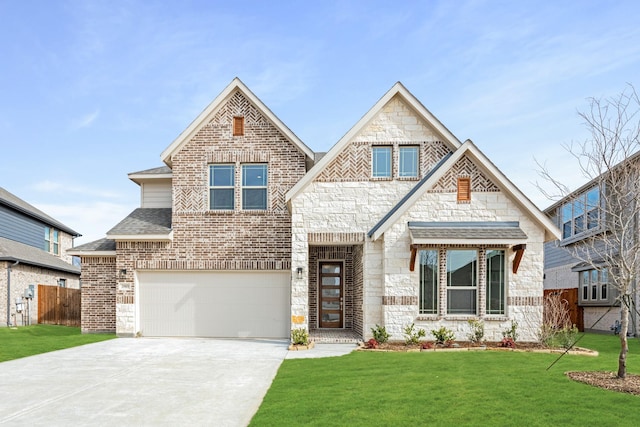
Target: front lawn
<point>29,340</point>
<point>459,388</point>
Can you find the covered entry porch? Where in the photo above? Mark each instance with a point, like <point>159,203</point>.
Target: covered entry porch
<point>335,293</point>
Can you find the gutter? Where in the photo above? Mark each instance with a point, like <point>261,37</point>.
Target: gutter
<point>9,292</point>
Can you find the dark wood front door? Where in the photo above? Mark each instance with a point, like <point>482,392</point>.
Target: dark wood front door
<point>331,291</point>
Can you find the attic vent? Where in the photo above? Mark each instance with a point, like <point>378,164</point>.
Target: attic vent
<point>238,126</point>
<point>464,189</point>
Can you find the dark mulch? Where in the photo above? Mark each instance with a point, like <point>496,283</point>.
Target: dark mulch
<point>609,381</point>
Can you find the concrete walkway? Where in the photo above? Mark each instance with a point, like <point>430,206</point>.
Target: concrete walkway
<point>146,381</point>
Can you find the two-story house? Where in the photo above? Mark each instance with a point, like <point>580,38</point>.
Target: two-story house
<point>246,232</point>
<point>34,250</point>
<point>576,264</point>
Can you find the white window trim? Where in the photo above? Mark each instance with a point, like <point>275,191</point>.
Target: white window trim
<point>254,187</point>
<point>417,160</point>
<point>374,163</point>
<point>221,187</point>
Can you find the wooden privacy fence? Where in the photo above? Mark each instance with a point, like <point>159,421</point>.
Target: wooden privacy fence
<point>58,306</point>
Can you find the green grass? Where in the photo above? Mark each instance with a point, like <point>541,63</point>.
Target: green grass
<point>29,340</point>
<point>457,388</point>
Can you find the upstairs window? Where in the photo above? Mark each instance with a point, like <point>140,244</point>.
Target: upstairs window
<point>56,242</point>
<point>47,239</point>
<point>408,162</point>
<point>254,187</point>
<point>581,214</point>
<point>381,162</point>
<point>238,126</point>
<point>221,187</point>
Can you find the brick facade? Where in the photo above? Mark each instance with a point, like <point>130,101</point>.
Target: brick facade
<point>98,294</point>
<point>204,239</point>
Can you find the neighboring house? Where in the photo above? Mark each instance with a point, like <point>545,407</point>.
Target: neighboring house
<point>248,233</point>
<point>579,216</point>
<point>33,250</point>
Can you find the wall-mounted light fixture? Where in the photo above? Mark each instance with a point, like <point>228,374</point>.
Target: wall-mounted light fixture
<point>299,271</point>
<point>123,272</point>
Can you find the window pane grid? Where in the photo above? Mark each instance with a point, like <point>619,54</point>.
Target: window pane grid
<point>408,162</point>
<point>462,281</point>
<point>381,162</point>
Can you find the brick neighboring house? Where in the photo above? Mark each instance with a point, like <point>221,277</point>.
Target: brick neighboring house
<point>34,249</point>
<point>248,233</point>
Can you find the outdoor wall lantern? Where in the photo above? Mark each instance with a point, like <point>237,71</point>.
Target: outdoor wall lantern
<point>123,272</point>
<point>299,271</point>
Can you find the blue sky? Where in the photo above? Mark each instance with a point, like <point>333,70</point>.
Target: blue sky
<point>93,90</point>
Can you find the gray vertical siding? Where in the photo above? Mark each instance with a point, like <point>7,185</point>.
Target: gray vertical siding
<point>20,228</point>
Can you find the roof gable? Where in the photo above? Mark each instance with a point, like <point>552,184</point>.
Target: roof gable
<point>385,114</point>
<point>215,108</point>
<point>488,169</point>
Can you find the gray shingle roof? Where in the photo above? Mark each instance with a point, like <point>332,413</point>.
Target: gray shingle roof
<point>13,201</point>
<point>154,171</point>
<point>490,231</point>
<point>102,245</point>
<point>15,251</point>
<point>144,221</point>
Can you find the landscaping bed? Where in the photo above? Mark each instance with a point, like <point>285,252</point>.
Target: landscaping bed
<point>399,346</point>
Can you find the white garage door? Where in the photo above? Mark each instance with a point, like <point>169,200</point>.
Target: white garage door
<point>214,304</point>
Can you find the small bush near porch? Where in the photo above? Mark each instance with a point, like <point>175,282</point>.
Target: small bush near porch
<point>459,388</point>
<point>29,340</point>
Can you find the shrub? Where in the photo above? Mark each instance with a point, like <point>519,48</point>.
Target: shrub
<point>477,331</point>
<point>511,332</point>
<point>372,343</point>
<point>380,334</point>
<point>508,342</point>
<point>443,335</point>
<point>413,335</point>
<point>299,336</point>
<point>567,336</point>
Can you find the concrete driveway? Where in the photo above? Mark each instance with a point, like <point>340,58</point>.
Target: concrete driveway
<point>141,381</point>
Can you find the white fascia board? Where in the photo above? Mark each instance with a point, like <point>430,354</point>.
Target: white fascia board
<point>213,107</point>
<point>91,253</point>
<point>396,89</point>
<point>142,237</point>
<point>428,184</point>
<point>139,178</point>
<point>552,232</point>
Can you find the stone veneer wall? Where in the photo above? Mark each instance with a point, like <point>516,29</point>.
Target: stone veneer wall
<point>525,288</point>
<point>219,240</point>
<point>98,294</point>
<point>22,276</point>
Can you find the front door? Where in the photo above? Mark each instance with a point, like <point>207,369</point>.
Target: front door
<point>331,294</point>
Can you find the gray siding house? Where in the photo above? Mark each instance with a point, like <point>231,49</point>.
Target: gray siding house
<point>33,251</point>
<point>581,220</point>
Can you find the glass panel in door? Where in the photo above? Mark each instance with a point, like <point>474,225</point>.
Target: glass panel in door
<point>331,295</point>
